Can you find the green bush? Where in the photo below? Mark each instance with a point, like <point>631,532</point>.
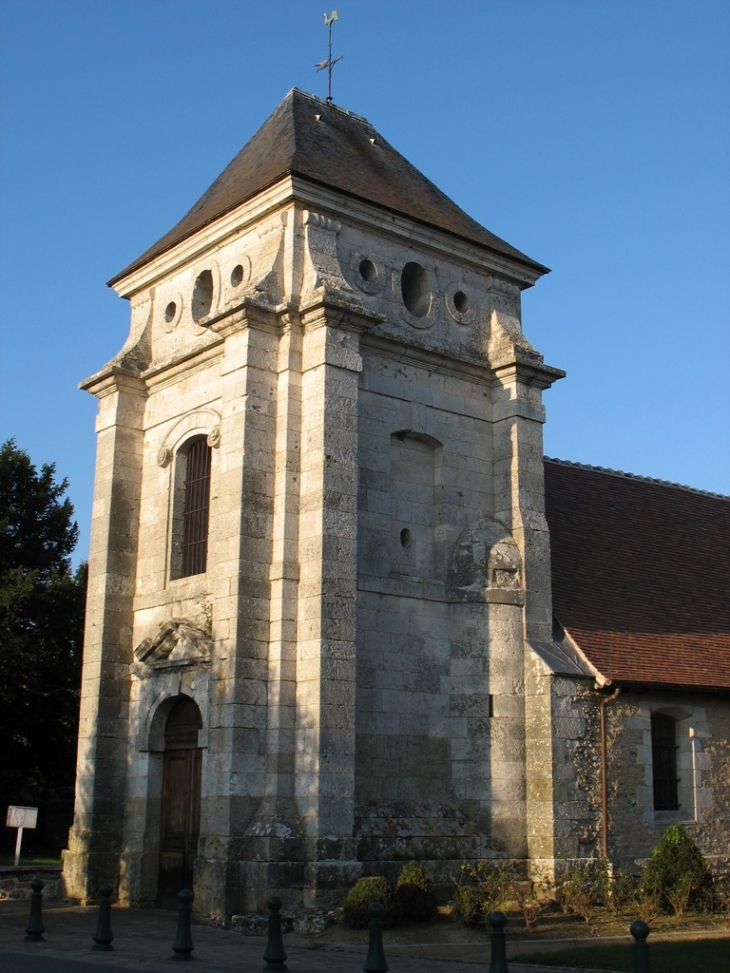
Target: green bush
<point>525,896</point>
<point>468,905</point>
<point>583,886</point>
<point>371,888</point>
<point>480,889</point>
<point>415,894</point>
<point>677,875</point>
<point>624,894</point>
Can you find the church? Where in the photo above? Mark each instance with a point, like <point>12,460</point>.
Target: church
<point>324,632</point>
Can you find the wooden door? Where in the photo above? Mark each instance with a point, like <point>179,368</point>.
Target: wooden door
<point>180,803</point>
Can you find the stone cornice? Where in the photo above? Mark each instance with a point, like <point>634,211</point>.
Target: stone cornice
<point>532,373</point>
<point>423,358</point>
<point>168,372</point>
<point>407,233</point>
<point>431,590</point>
<point>331,311</point>
<point>208,238</point>
<point>245,315</point>
<point>114,378</point>
<point>329,204</point>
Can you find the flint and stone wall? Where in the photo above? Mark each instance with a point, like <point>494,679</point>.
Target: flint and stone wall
<point>16,883</point>
<point>570,712</point>
<point>703,767</point>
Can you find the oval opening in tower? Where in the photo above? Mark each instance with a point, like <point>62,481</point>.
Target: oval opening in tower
<point>405,537</point>
<point>461,302</point>
<point>414,288</point>
<point>237,276</point>
<point>202,295</point>
<point>170,312</point>
<point>368,270</point>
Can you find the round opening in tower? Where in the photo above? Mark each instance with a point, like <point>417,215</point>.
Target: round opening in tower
<point>414,288</point>
<point>170,312</point>
<point>368,270</point>
<point>461,302</point>
<point>237,276</point>
<point>202,295</point>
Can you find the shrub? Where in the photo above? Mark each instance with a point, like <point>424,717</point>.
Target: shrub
<point>677,873</point>
<point>722,896</point>
<point>628,896</point>
<point>584,886</point>
<point>415,894</point>
<point>480,889</point>
<point>371,888</point>
<point>527,900</point>
<point>468,906</point>
<point>624,893</point>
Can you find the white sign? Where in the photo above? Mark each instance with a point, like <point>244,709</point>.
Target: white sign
<point>22,817</point>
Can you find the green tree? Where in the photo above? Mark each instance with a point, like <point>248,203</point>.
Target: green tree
<point>41,628</point>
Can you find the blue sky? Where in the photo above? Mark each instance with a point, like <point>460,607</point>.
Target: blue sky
<point>594,135</point>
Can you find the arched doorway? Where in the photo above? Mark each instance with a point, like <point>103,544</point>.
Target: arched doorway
<point>180,801</point>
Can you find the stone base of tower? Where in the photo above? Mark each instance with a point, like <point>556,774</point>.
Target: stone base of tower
<point>332,870</point>
<point>217,887</point>
<point>301,886</point>
<point>277,866</point>
<point>85,868</point>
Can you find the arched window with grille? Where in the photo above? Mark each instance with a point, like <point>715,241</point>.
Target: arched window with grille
<point>664,762</point>
<point>191,509</point>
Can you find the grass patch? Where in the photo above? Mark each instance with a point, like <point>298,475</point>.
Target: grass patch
<point>708,955</point>
<point>46,861</point>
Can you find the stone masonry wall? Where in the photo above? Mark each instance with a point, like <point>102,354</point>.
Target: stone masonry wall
<point>634,828</point>
<point>703,731</point>
<point>15,883</point>
<point>440,750</point>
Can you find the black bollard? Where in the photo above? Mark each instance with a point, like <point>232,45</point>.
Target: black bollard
<point>498,961</point>
<point>103,936</point>
<point>640,931</point>
<point>182,944</point>
<point>375,961</point>
<point>274,954</point>
<point>35,928</point>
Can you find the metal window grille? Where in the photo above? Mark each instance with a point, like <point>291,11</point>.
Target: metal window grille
<point>196,509</point>
<point>664,762</point>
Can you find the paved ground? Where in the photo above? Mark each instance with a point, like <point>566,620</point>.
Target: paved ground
<point>143,942</point>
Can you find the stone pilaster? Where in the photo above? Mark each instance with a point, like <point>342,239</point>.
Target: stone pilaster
<point>273,850</point>
<point>240,555</point>
<point>325,738</point>
<point>520,503</point>
<point>96,836</point>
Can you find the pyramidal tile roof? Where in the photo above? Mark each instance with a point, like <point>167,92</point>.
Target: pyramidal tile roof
<point>641,575</point>
<point>325,144</point>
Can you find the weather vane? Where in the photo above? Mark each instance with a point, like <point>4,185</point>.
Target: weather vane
<point>329,19</point>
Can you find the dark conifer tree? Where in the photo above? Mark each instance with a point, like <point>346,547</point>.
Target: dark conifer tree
<point>41,629</point>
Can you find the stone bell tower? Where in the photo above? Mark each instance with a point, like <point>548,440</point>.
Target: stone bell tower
<point>318,538</point>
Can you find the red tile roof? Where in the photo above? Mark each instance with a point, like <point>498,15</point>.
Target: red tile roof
<point>324,144</point>
<point>641,575</point>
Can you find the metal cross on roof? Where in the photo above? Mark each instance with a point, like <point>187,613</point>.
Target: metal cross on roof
<point>329,19</point>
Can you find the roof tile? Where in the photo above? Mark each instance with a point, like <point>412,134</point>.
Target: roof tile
<point>641,575</point>
<point>322,143</point>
